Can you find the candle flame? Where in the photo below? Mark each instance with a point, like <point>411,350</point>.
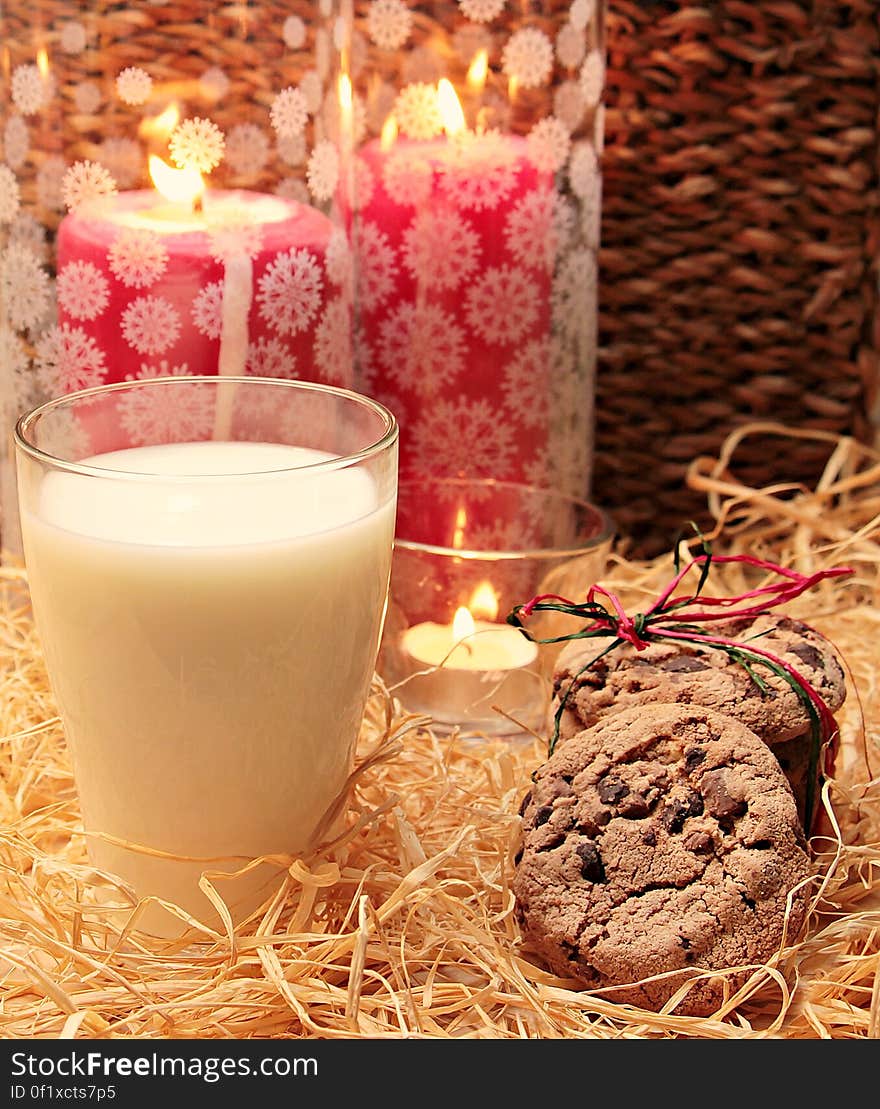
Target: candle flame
<point>484,601</point>
<point>389,134</point>
<point>160,126</point>
<point>345,101</point>
<point>43,63</point>
<point>478,71</point>
<point>462,624</point>
<point>450,108</point>
<point>180,186</point>
<point>458,528</point>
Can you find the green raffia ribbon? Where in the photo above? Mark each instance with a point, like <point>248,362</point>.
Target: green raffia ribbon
<point>677,618</point>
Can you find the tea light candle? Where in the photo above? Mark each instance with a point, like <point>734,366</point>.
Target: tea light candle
<point>187,280</point>
<point>459,671</point>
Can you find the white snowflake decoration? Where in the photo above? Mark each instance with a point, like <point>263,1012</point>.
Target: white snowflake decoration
<point>528,57</point>
<point>323,170</point>
<point>407,176</point>
<point>27,231</point>
<point>568,104</point>
<point>30,90</point>
<point>592,79</point>
<point>24,286</point>
<point>529,230</point>
<point>322,53</point>
<point>292,149</point>
<point>73,38</point>
<point>417,111</point>
<point>123,158</point>
<point>333,352</point>
<point>599,130</point>
<point>207,310</point>
<point>214,84</point>
<point>67,359</point>
<point>525,381</point>
<point>16,141</point>
<point>421,65</point>
<point>480,170</point>
<point>86,183</point>
<point>549,143</point>
<point>15,393</point>
<point>137,257</point>
<point>291,188</point>
<point>389,23</point>
<point>197,144</point>
<point>247,149</point>
<point>83,291</point>
<point>502,305</point>
<point>463,438</point>
<point>289,113</point>
<point>421,347</point>
<point>269,357</point>
<point>10,195</point>
<point>158,415</point>
<point>571,45</point>
<point>583,169</point>
<point>581,13</point>
<point>440,249</point>
<point>481,11</point>
<point>468,40</point>
<point>290,292</point>
<point>574,294</point>
<point>150,324</point>
<point>87,98</point>
<point>50,182</point>
<point>376,266</point>
<point>236,235</point>
<point>338,259</point>
<point>134,85</point>
<point>364,185</point>
<point>293,32</point>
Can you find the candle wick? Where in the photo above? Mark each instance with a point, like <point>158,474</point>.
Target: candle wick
<point>198,205</point>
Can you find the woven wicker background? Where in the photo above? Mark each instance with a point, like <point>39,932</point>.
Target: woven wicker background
<point>740,240</point>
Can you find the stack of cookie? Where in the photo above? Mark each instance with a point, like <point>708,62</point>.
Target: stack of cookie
<point>663,840</point>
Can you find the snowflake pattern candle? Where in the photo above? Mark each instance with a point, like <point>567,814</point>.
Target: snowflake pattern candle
<point>475,215</point>
<point>148,287</point>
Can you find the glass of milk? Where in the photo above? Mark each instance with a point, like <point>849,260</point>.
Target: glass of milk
<point>208,562</point>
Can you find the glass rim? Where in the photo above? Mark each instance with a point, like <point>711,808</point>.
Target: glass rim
<point>24,423</point>
<point>605,532</point>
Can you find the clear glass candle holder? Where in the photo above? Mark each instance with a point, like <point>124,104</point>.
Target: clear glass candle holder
<point>466,552</point>
<point>209,596</point>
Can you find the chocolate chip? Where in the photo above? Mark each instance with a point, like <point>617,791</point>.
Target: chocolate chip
<point>678,810</point>
<point>592,869</point>
<point>543,815</point>
<point>700,843</point>
<point>719,801</point>
<point>694,757</point>
<point>517,859</point>
<point>650,837</point>
<point>634,806</point>
<point>808,654</point>
<point>682,664</point>
<point>611,790</point>
<point>525,803</point>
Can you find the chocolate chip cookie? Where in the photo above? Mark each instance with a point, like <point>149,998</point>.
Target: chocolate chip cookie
<point>664,840</point>
<point>682,673</point>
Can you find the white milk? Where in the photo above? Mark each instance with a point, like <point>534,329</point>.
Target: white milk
<point>210,643</point>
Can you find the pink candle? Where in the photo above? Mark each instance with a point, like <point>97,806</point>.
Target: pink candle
<point>237,284</point>
<point>455,246</point>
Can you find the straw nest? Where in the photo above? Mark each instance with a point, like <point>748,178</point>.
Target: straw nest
<point>406,926</point>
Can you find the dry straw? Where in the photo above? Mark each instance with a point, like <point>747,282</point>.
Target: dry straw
<point>406,926</point>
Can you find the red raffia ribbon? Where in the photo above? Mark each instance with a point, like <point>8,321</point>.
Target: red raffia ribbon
<point>673,618</point>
